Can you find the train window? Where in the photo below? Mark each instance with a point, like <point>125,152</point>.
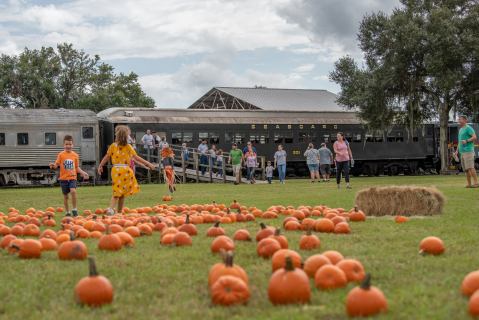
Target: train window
<point>176,138</point>
<point>239,138</point>
<point>2,139</point>
<point>87,132</point>
<point>50,138</point>
<point>378,139</point>
<point>288,137</point>
<point>391,139</point>
<point>214,137</point>
<point>399,139</point>
<point>278,138</point>
<point>307,136</point>
<point>357,137</point>
<point>369,137</point>
<point>261,138</point>
<point>22,139</point>
<point>415,139</point>
<point>326,138</point>
<point>203,136</point>
<point>187,137</point>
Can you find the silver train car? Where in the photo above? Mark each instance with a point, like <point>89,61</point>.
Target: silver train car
<point>31,139</point>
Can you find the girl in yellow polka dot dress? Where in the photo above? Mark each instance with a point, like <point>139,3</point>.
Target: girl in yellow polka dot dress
<point>123,178</point>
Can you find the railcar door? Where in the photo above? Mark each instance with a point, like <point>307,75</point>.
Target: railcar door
<point>88,144</point>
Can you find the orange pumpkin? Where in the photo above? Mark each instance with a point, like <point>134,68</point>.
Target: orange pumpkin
<point>126,239</point>
<point>227,267</point>
<point>470,284</point>
<point>353,269</point>
<point>6,240</point>
<point>474,304</point>
<point>241,235</point>
<point>264,232</point>
<point>222,243</point>
<point>48,244</point>
<point>30,249</point>
<point>357,215</point>
<point>342,228</point>
<point>215,230</point>
<point>188,227</point>
<point>278,260</point>
<point>330,277</point>
<point>333,256</point>
<point>267,247</point>
<point>229,290</point>
<point>309,241</point>
<point>94,290</point>
<point>289,285</point>
<point>431,245</point>
<point>110,242</point>
<point>313,263</point>
<point>365,300</point>
<point>72,250</point>
<point>282,240</point>
<point>401,219</point>
<point>324,225</point>
<point>182,239</point>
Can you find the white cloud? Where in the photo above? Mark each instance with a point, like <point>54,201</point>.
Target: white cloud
<point>304,68</point>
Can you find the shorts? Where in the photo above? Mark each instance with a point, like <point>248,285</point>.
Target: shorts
<point>236,168</point>
<point>313,167</point>
<point>67,185</point>
<point>467,160</point>
<point>325,169</point>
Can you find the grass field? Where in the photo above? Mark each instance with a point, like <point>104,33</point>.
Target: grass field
<point>152,281</point>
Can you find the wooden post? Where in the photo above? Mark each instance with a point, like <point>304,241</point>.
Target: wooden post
<point>148,173</point>
<point>210,165</point>
<point>263,168</point>
<point>183,167</point>
<point>223,169</point>
<point>195,157</point>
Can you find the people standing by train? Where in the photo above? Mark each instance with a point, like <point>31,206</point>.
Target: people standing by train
<point>219,163</point>
<point>251,161</point>
<point>236,160</point>
<point>69,163</point>
<point>269,172</point>
<point>124,183</point>
<point>245,150</point>
<point>185,154</point>
<point>280,163</point>
<point>212,155</point>
<point>203,152</point>
<point>312,160</point>
<point>325,161</point>
<point>343,156</point>
<point>465,149</point>
<point>148,143</point>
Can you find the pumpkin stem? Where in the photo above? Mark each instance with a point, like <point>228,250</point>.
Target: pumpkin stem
<point>217,224</point>
<point>187,221</point>
<point>289,264</point>
<point>228,211</point>
<point>355,208</point>
<point>229,259</point>
<point>366,284</point>
<point>72,235</point>
<point>92,267</point>
<point>309,232</point>
<point>277,232</point>
<point>94,217</point>
<point>262,225</point>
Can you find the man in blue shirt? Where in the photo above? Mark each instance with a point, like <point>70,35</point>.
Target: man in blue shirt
<point>465,147</point>
<point>203,150</point>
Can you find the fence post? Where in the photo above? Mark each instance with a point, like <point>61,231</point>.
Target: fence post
<point>210,165</point>
<point>223,169</point>
<point>263,168</point>
<point>195,157</point>
<point>148,173</point>
<point>183,167</point>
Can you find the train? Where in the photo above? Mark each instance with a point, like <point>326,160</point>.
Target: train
<point>30,139</point>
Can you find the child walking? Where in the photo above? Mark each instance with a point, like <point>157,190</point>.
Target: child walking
<point>68,161</point>
<point>168,156</point>
<point>123,179</point>
<point>269,172</point>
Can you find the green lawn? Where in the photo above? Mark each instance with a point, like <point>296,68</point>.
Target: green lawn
<point>152,281</point>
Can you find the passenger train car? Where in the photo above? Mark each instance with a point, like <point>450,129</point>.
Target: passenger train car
<point>31,139</point>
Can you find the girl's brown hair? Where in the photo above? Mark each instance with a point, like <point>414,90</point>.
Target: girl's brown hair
<point>121,135</point>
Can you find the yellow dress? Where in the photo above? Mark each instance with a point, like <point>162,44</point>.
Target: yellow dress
<point>123,179</point>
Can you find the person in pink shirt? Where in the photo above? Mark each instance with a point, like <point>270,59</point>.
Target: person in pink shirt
<point>343,155</point>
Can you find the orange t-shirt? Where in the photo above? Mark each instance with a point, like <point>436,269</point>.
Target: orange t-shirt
<point>68,163</point>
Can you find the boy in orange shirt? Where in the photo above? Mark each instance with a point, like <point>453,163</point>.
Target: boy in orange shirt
<point>68,161</point>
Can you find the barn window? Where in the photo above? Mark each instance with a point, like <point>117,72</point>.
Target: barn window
<point>87,132</point>
<point>176,138</point>
<point>50,138</point>
<point>2,139</point>
<point>187,137</point>
<point>22,139</point>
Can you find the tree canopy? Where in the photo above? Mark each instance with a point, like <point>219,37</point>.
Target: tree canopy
<point>66,78</point>
<point>420,62</point>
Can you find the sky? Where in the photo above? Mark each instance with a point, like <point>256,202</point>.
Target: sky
<point>182,48</point>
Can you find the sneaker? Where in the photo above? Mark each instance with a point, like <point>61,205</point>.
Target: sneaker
<point>348,187</point>
<point>339,186</point>
<point>68,214</point>
<point>75,213</point>
<point>110,212</point>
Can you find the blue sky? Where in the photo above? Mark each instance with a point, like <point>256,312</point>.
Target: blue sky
<point>182,48</point>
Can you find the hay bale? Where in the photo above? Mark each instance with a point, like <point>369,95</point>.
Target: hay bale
<point>400,200</point>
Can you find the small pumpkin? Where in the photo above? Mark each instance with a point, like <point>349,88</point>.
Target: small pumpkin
<point>229,290</point>
<point>188,227</point>
<point>215,230</point>
<point>401,219</point>
<point>313,263</point>
<point>94,290</point>
<point>431,245</point>
<point>309,241</point>
<point>227,267</point>
<point>126,239</point>
<point>470,284</point>
<point>330,277</point>
<point>267,247</point>
<point>474,304</point>
<point>182,239</point>
<point>6,240</point>
<point>357,215</point>
<point>342,228</point>
<point>289,285</point>
<point>30,249</point>
<point>222,243</point>
<point>365,300</point>
<point>264,232</point>
<point>48,244</point>
<point>324,225</point>
<point>333,256</point>
<point>110,242</point>
<point>242,235</point>
<point>278,260</point>
<point>282,240</point>
<point>72,250</point>
<point>353,269</point>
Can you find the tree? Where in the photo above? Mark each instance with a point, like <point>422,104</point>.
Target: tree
<point>420,63</point>
<point>66,78</point>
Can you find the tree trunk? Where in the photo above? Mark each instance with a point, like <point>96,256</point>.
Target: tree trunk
<point>443,132</point>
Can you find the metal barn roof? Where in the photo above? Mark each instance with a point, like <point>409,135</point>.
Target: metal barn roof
<point>269,99</point>
<point>46,116</point>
